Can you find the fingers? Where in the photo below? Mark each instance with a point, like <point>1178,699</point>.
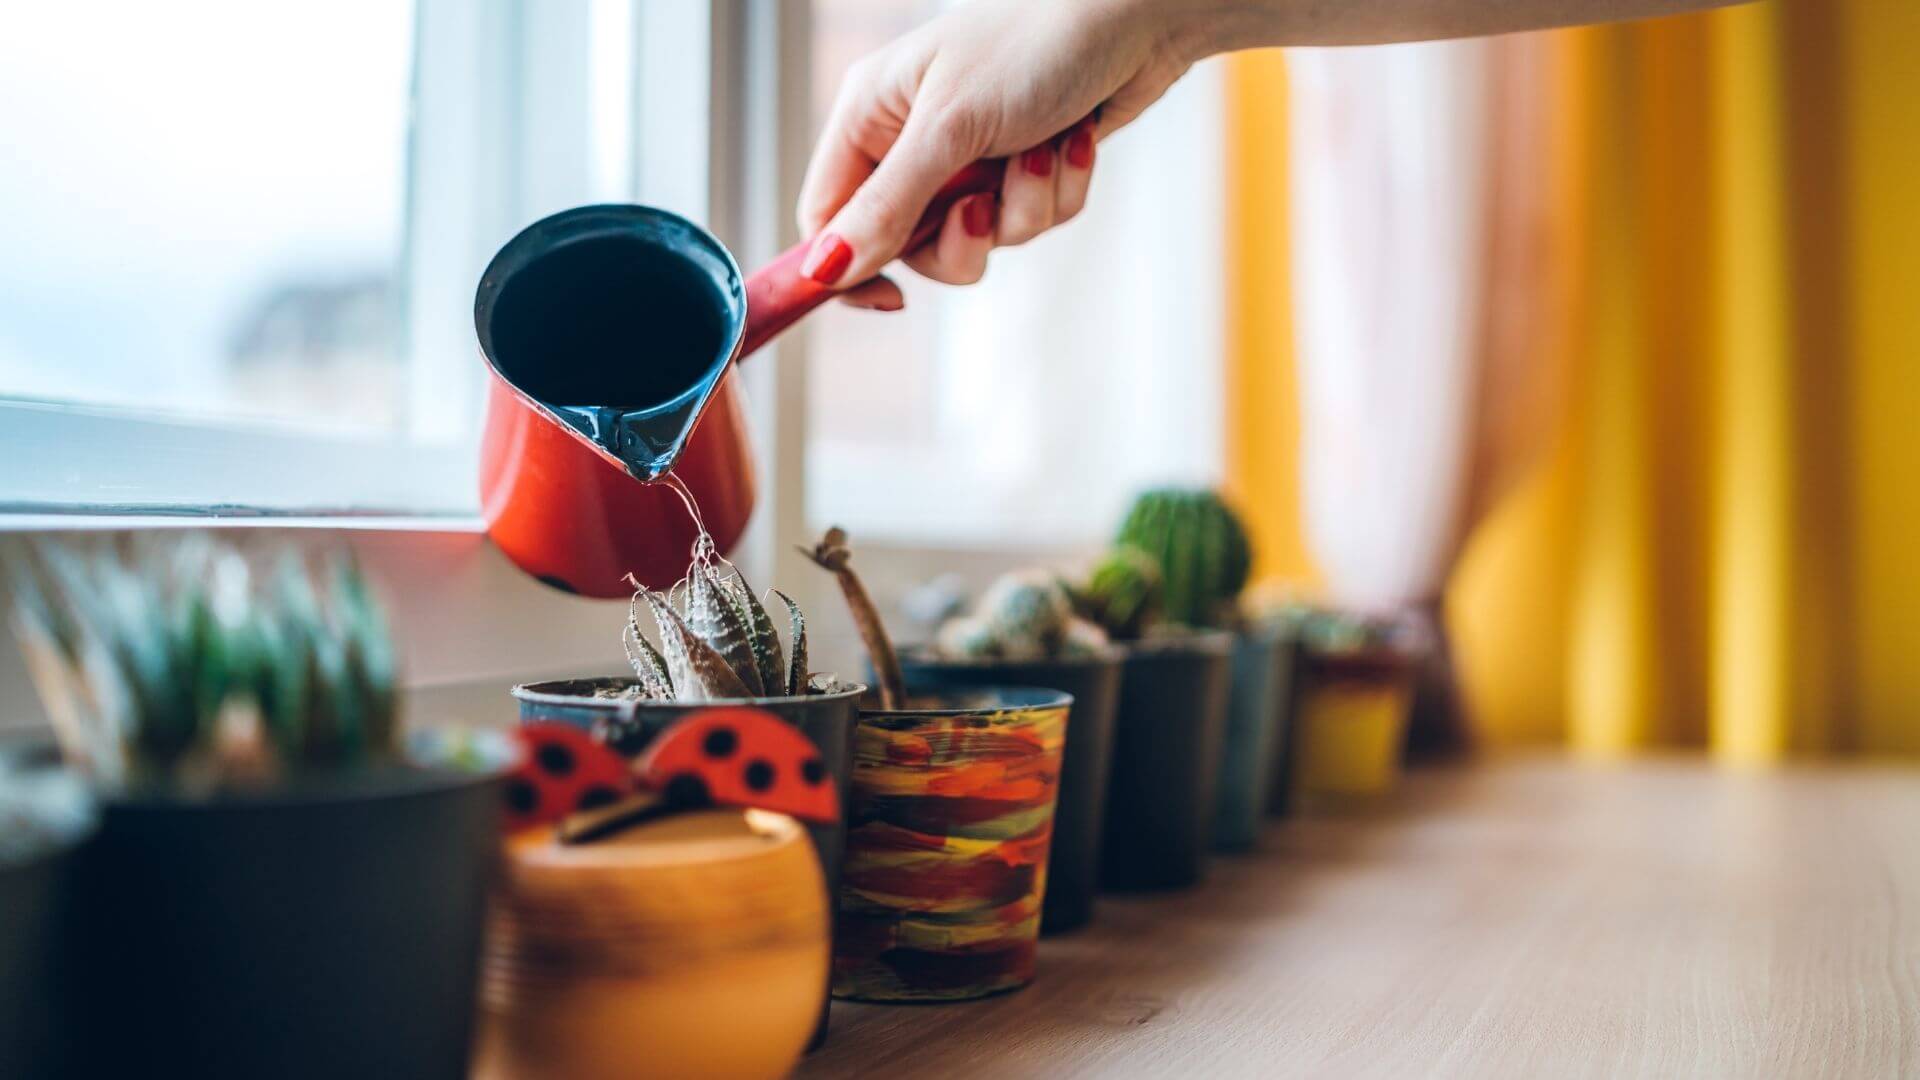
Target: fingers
<point>873,226</point>
<point>860,130</point>
<point>880,294</point>
<point>837,170</point>
<point>1027,194</point>
<point>1044,186</point>
<point>1076,171</point>
<point>958,256</point>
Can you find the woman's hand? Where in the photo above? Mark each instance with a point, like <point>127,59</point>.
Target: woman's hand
<point>1036,81</point>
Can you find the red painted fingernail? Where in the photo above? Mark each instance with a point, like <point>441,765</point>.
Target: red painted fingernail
<point>828,259</point>
<point>1038,161</point>
<point>978,214</point>
<point>1080,148</point>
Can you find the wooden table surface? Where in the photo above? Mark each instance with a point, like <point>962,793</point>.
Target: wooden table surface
<point>1514,918</point>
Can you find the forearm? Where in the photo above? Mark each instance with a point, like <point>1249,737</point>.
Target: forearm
<point>1206,27</point>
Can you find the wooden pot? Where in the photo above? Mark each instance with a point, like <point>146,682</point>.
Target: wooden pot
<point>695,945</point>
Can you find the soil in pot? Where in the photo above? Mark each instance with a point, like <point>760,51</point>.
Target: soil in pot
<point>1168,738</point>
<point>950,823</point>
<point>1073,864</point>
<point>323,929</point>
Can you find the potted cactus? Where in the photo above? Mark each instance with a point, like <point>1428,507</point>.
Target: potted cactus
<point>1025,632</point>
<point>1196,708</point>
<point>714,642</point>
<point>278,874</point>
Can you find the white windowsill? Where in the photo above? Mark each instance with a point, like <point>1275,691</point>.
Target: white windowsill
<point>105,521</point>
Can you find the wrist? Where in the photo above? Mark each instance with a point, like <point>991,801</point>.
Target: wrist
<point>1197,29</point>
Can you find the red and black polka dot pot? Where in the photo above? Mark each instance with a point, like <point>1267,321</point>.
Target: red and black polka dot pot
<point>629,726</point>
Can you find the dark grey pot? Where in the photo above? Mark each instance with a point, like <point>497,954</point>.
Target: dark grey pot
<point>1073,865</point>
<point>1256,710</point>
<point>1168,738</point>
<point>323,930</point>
<point>629,726</point>
<point>49,815</point>
<point>1280,790</point>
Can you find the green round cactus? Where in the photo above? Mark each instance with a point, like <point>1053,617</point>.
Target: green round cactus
<point>1201,549</point>
<point>1123,593</point>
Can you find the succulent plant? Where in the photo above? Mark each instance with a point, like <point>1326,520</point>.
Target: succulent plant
<point>1023,615</point>
<point>967,637</point>
<point>172,665</point>
<point>1201,549</point>
<point>1123,593</point>
<point>1027,611</point>
<point>716,639</point>
<point>1330,630</point>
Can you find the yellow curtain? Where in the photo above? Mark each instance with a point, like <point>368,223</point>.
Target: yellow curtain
<point>1713,550</point>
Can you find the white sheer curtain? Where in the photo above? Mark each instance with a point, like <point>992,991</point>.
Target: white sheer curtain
<point>1390,167</point>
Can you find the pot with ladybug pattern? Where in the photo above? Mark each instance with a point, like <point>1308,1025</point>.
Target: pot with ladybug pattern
<point>629,725</point>
<point>948,834</point>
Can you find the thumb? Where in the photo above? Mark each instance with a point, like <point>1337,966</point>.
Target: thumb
<point>874,225</point>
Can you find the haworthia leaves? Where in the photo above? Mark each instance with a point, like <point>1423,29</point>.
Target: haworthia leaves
<point>715,615</point>
<point>796,646</point>
<point>767,657</point>
<point>699,673</point>
<point>648,666</point>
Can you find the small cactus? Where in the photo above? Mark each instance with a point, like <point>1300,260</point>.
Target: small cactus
<point>967,637</point>
<point>1201,548</point>
<point>1083,637</point>
<point>1027,611</point>
<point>1123,593</point>
<point>1024,615</point>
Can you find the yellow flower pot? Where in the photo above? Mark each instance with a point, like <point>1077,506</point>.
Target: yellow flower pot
<point>1352,715</point>
<point>691,946</point>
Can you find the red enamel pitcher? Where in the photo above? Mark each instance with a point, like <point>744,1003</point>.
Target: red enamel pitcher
<point>611,332</point>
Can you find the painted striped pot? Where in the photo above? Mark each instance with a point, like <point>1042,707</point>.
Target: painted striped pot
<point>948,832</point>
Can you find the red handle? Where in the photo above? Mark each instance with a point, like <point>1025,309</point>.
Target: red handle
<point>778,294</point>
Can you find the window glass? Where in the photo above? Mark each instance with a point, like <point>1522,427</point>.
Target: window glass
<point>202,207</point>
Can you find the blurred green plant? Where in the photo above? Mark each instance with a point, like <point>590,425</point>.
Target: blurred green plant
<point>170,663</point>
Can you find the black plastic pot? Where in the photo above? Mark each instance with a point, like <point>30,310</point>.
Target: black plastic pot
<point>1168,738</point>
<point>1073,867</point>
<point>1256,709</point>
<point>326,930</point>
<point>630,725</point>
<point>44,816</point>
